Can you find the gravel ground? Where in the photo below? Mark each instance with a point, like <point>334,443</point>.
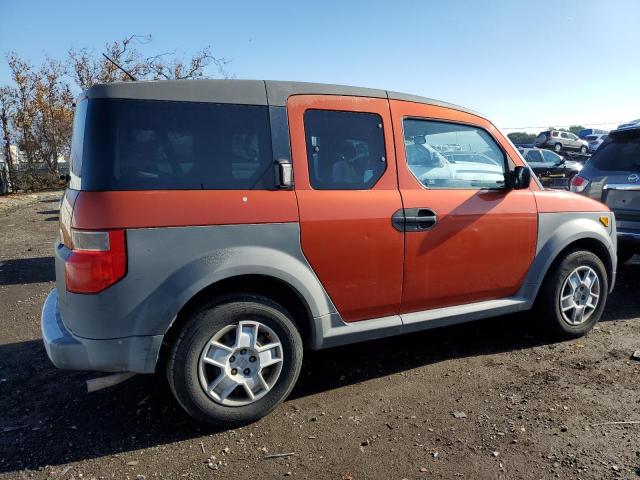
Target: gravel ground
<point>482,400</point>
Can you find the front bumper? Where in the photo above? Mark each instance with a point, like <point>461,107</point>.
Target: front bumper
<point>67,351</point>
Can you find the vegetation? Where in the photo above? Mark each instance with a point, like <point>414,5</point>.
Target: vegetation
<point>36,109</point>
<point>521,137</point>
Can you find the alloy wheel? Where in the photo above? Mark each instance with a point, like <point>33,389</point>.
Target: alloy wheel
<point>579,295</point>
<point>241,363</point>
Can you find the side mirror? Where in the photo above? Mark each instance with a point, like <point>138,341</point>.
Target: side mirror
<point>284,174</point>
<point>521,178</point>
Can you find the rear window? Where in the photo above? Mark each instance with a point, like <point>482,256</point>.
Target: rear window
<point>158,145</point>
<point>618,155</point>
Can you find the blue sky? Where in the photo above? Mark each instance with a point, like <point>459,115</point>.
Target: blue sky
<point>530,64</point>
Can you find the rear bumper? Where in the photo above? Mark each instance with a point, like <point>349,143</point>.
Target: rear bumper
<point>67,351</point>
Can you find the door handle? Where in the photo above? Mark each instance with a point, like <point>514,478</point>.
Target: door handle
<point>414,219</point>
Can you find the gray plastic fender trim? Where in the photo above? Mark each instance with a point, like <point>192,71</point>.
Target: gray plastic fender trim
<point>556,231</point>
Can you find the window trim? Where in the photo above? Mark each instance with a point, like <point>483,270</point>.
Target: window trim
<point>384,144</point>
<point>505,155</point>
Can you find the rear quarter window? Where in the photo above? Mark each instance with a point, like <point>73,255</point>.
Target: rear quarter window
<point>618,156</point>
<point>163,145</point>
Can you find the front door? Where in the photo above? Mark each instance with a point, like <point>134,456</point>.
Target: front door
<point>469,238</point>
<point>345,181</point>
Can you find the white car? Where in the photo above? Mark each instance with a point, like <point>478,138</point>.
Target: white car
<point>594,141</point>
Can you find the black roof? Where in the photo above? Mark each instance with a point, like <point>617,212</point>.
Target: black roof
<point>249,92</point>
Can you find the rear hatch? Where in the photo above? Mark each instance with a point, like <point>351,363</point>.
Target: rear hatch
<point>619,162</point>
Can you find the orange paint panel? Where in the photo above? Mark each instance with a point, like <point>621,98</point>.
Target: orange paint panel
<point>484,241</point>
<point>66,213</point>
<point>348,239</point>
<point>347,235</point>
<point>480,249</point>
<point>180,208</point>
<point>550,201</point>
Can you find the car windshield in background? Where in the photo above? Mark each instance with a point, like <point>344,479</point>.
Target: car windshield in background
<point>621,155</point>
<point>156,145</point>
<point>447,155</point>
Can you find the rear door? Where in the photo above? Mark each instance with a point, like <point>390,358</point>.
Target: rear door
<point>468,237</point>
<point>346,185</point>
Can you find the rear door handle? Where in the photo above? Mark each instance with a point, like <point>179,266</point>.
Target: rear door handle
<point>414,219</point>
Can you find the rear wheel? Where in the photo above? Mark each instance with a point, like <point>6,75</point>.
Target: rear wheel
<point>583,150</point>
<point>236,361</point>
<point>557,147</point>
<point>573,295</point>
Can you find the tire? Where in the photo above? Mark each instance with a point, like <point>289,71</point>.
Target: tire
<point>583,150</point>
<point>557,284</point>
<point>188,373</point>
<point>625,253</point>
<point>557,148</point>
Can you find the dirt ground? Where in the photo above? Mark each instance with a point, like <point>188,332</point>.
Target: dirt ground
<point>524,408</point>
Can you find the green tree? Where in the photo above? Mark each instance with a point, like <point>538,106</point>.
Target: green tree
<point>521,137</point>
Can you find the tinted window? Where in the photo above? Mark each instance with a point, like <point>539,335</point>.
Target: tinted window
<point>564,135</point>
<point>345,150</point>
<point>77,142</point>
<point>448,155</point>
<point>144,145</point>
<point>619,155</point>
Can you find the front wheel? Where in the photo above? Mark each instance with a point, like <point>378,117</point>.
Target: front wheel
<point>573,295</point>
<point>583,150</point>
<point>236,361</point>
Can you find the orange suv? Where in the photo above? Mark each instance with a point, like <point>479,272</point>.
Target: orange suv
<point>224,226</point>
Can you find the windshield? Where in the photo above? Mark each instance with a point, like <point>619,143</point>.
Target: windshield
<point>621,155</point>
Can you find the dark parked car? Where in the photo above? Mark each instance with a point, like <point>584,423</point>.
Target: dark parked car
<point>612,175</point>
<point>552,169</point>
<point>561,141</point>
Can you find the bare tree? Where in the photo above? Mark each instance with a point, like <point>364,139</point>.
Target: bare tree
<point>87,68</point>
<point>6,112</point>
<point>36,112</point>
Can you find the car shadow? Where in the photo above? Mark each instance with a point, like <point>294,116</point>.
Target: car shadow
<point>27,270</point>
<point>47,418</point>
<point>624,302</point>
<point>141,412</point>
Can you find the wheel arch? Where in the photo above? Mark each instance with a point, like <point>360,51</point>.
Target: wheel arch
<point>268,286</point>
<point>560,233</point>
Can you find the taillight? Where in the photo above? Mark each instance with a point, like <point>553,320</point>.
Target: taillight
<point>578,184</point>
<point>97,260</point>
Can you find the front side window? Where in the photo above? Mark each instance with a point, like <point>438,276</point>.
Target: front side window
<point>345,150</point>
<point>157,145</point>
<point>445,155</point>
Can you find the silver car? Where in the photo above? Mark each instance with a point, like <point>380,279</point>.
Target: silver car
<point>595,141</point>
<point>612,175</point>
